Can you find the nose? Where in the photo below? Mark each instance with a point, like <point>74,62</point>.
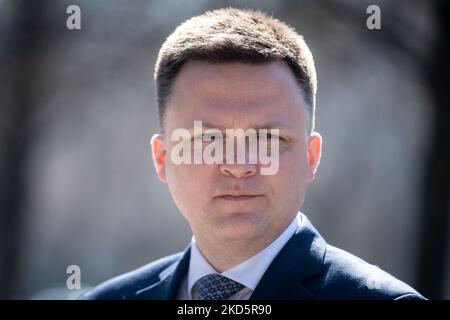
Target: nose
<point>238,170</point>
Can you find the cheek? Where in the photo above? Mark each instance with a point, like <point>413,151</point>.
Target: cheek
<point>292,176</point>
<point>187,183</point>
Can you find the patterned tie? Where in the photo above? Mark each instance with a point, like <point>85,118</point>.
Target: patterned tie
<point>217,287</point>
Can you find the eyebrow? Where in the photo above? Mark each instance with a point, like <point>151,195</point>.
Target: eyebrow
<point>268,125</point>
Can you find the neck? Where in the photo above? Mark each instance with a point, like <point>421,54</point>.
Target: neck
<point>224,254</point>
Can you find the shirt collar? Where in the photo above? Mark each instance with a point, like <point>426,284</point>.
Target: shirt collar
<point>248,272</point>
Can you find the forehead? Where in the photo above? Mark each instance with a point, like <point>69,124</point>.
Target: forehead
<point>234,95</point>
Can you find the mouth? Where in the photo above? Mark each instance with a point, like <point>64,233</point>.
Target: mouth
<point>239,197</point>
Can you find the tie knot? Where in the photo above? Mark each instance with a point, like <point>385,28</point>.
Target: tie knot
<point>217,287</point>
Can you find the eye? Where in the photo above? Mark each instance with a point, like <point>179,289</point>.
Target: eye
<point>209,137</point>
<point>269,136</point>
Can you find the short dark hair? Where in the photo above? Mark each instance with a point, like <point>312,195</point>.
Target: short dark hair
<point>235,35</point>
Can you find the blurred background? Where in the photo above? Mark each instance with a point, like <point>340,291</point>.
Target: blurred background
<point>77,110</point>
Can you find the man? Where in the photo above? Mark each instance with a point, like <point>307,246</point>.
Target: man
<point>242,70</point>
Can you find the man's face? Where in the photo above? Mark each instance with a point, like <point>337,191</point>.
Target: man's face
<point>234,201</point>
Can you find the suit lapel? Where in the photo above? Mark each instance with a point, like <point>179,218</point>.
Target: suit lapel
<point>170,280</point>
<point>300,258</point>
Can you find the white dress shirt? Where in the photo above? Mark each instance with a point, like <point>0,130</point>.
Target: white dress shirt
<point>248,272</point>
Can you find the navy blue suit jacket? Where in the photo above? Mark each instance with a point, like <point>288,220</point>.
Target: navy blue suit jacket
<point>306,268</point>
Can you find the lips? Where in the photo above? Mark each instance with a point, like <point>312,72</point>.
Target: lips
<point>238,196</point>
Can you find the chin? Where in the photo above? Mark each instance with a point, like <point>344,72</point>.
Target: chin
<point>242,225</point>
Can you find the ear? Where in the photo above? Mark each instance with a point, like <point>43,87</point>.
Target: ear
<point>314,154</point>
<point>159,153</point>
